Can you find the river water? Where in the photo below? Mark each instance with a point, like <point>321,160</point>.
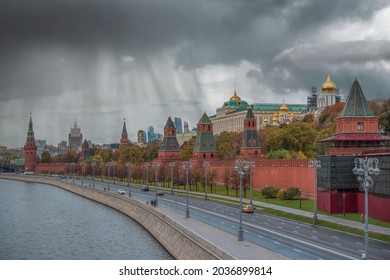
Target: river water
<point>43,222</point>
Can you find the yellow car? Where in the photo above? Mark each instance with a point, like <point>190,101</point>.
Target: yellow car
<point>248,209</point>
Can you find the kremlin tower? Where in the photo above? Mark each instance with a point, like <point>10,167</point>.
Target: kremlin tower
<point>205,146</point>
<point>124,138</point>
<point>169,149</point>
<point>250,142</point>
<point>30,149</point>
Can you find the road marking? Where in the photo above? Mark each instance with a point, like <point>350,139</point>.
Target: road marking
<point>299,251</point>
<point>245,230</point>
<point>335,236</point>
<point>361,251</point>
<point>386,250</point>
<point>313,231</point>
<point>295,231</point>
<point>276,242</point>
<point>222,223</point>
<point>359,243</point>
<point>259,236</point>
<point>265,223</point>
<point>314,237</point>
<point>338,244</point>
<point>279,227</point>
<point>283,223</point>
<point>297,226</point>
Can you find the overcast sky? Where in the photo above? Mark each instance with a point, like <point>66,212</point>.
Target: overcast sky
<point>99,61</point>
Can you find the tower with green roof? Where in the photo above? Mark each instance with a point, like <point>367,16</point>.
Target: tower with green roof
<point>169,148</point>
<point>205,147</point>
<point>357,129</point>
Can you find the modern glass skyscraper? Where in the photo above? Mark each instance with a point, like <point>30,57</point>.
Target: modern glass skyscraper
<point>178,125</point>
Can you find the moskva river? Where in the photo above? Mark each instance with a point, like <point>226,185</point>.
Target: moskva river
<point>43,222</point>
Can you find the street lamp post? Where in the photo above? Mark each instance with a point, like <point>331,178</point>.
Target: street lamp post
<point>205,165</point>
<point>108,164</point>
<point>128,164</point>
<point>251,165</point>
<point>300,201</point>
<point>241,166</point>
<point>364,167</point>
<point>102,171</point>
<point>171,165</point>
<point>113,172</point>
<point>93,173</point>
<point>344,196</point>
<point>155,165</point>
<point>147,173</point>
<point>315,164</point>
<point>187,166</point>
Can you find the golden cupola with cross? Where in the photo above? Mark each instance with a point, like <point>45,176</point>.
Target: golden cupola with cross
<point>329,86</point>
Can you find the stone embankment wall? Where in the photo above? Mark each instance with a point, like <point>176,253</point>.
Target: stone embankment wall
<point>180,242</point>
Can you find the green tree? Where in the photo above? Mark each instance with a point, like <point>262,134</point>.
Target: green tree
<point>187,149</point>
<point>228,144</point>
<point>46,157</point>
<point>384,117</point>
<point>131,153</point>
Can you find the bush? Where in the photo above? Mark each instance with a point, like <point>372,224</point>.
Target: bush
<point>281,194</point>
<point>269,192</point>
<point>291,193</point>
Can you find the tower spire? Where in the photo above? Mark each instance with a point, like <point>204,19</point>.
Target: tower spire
<point>30,148</point>
<point>124,137</point>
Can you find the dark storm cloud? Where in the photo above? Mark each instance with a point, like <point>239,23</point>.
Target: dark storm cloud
<point>48,47</point>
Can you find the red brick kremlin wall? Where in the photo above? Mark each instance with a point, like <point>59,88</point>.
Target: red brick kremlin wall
<point>275,173</point>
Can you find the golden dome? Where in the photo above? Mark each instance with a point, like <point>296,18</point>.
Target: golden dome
<point>235,97</point>
<point>265,119</point>
<point>284,108</point>
<point>329,85</point>
<point>275,119</point>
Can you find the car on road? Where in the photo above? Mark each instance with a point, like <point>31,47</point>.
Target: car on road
<point>248,209</point>
<point>122,192</point>
<point>160,193</point>
<point>145,189</point>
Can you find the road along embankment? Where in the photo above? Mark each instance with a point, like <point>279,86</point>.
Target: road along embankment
<point>179,241</point>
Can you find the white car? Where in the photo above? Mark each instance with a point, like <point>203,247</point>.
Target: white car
<point>122,192</point>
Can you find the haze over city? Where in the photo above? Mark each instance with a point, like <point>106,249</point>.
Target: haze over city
<point>101,61</point>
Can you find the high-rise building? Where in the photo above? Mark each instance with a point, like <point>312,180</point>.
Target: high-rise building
<point>63,148</point>
<point>178,125</point>
<point>75,138</point>
<point>151,137</point>
<point>141,137</point>
<point>186,129</point>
